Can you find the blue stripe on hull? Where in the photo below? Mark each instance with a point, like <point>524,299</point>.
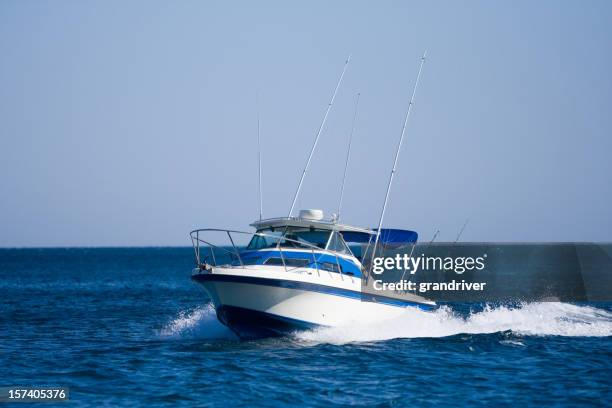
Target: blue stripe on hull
<point>251,324</point>
<point>312,287</point>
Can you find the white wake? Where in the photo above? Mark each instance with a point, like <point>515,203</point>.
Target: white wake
<point>200,323</point>
<point>532,319</point>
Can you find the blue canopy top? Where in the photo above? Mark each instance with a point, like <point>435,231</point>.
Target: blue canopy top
<point>387,236</point>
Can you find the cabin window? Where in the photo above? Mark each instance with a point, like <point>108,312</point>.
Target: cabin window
<point>294,238</point>
<point>317,238</point>
<point>268,241</point>
<point>291,262</point>
<point>336,243</point>
<point>331,267</point>
<point>300,263</point>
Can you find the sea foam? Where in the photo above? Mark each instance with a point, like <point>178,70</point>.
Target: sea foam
<point>531,319</point>
<point>200,323</point>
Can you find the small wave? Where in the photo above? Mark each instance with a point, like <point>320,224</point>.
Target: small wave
<point>200,323</point>
<point>531,319</point>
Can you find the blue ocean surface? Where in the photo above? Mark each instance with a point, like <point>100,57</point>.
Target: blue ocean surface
<point>127,327</point>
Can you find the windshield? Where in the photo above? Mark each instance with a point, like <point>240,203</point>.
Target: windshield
<point>336,243</point>
<point>272,237</point>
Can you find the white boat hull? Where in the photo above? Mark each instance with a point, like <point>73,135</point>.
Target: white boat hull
<point>257,303</point>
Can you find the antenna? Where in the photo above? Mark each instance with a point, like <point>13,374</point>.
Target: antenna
<point>314,146</point>
<point>399,147</point>
<point>259,157</point>
<point>461,230</point>
<point>348,155</point>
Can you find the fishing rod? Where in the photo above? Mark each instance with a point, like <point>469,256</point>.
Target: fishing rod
<point>461,231</point>
<point>399,147</point>
<point>314,146</point>
<point>348,155</point>
<point>259,157</point>
<point>435,235</point>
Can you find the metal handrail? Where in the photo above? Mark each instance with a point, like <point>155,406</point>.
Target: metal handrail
<point>196,244</point>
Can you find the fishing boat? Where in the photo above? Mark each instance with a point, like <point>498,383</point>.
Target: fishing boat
<point>296,273</point>
<point>301,272</point>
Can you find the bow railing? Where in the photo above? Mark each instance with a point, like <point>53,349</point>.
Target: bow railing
<point>236,259</point>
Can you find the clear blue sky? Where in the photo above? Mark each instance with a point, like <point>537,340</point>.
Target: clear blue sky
<point>130,123</point>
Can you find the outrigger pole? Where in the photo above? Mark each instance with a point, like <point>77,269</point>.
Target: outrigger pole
<point>399,147</point>
<point>348,155</point>
<point>314,146</point>
<point>259,158</point>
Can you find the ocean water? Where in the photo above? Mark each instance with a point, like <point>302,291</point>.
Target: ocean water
<point>127,327</point>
